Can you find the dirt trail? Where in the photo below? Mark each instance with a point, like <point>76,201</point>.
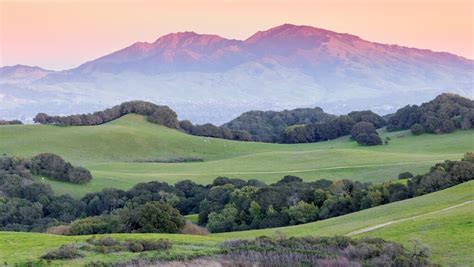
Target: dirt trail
<point>371,228</point>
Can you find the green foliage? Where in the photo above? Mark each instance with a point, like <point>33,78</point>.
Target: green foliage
<point>417,129</point>
<point>224,220</point>
<point>112,161</point>
<point>12,122</point>
<point>302,212</point>
<point>268,126</point>
<point>365,134</point>
<point>65,252</point>
<point>156,114</point>
<point>96,225</point>
<point>443,114</point>
<point>157,217</point>
<point>56,168</point>
<point>405,175</point>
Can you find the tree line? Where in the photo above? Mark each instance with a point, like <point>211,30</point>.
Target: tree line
<point>444,114</point>
<point>12,122</point>
<point>225,205</point>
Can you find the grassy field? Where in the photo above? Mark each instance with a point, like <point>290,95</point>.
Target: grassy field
<point>111,152</point>
<point>448,233</point>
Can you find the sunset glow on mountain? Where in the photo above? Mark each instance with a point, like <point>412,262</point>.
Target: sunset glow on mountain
<point>64,34</point>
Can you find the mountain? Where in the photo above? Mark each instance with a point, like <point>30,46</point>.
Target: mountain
<point>22,73</point>
<point>207,78</point>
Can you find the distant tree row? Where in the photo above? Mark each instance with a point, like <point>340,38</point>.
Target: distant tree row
<point>162,115</point>
<point>210,130</point>
<point>225,205</point>
<point>444,114</point>
<point>12,122</point>
<point>361,125</point>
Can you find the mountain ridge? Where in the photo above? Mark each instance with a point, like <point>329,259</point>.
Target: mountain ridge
<point>288,66</point>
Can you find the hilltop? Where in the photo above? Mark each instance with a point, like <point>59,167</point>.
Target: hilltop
<point>131,150</point>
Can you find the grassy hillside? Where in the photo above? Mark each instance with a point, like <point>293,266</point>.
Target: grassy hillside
<point>447,232</point>
<point>111,152</point>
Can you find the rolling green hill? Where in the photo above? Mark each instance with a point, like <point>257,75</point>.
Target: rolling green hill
<point>441,220</point>
<point>115,153</point>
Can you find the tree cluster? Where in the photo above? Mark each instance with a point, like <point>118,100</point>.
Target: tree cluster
<point>55,167</point>
<point>225,205</point>
<point>444,114</point>
<point>239,206</point>
<point>356,123</point>
<point>26,205</point>
<point>12,122</point>
<point>268,126</point>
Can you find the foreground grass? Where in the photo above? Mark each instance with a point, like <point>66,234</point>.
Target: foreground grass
<point>111,152</point>
<point>448,233</point>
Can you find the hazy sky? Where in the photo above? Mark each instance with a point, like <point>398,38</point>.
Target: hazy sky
<point>63,34</point>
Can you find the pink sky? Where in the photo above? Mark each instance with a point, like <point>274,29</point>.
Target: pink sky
<point>64,34</point>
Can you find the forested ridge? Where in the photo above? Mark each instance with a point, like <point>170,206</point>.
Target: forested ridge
<point>444,114</point>
<point>225,205</point>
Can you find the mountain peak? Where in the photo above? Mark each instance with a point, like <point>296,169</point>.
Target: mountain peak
<point>188,38</point>
<point>288,31</point>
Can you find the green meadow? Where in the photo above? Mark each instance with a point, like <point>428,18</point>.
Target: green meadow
<point>119,153</point>
<point>443,221</point>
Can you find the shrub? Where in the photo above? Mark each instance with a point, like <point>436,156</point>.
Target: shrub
<point>405,175</point>
<point>368,139</point>
<point>65,252</point>
<point>59,230</point>
<point>362,127</point>
<point>96,225</point>
<point>157,217</point>
<point>156,245</point>
<point>417,129</point>
<point>140,245</point>
<point>192,229</point>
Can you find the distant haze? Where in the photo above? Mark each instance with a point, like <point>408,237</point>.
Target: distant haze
<point>61,35</point>
<point>208,78</point>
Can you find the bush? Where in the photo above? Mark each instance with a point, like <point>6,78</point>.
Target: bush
<point>192,229</point>
<point>65,252</point>
<point>405,175</point>
<point>148,245</point>
<point>362,128</point>
<point>96,225</point>
<point>59,230</point>
<point>322,251</point>
<point>417,129</point>
<point>155,217</point>
<point>368,139</point>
